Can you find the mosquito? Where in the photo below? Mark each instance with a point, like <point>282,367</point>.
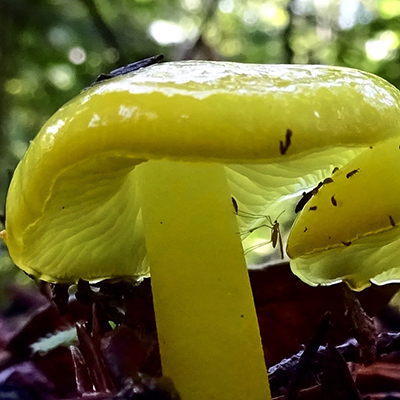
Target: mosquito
<point>276,236</point>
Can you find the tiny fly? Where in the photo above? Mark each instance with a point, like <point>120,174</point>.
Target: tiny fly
<point>276,236</point>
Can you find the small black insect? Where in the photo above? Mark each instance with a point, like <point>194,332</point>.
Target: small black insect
<point>313,208</point>
<point>335,170</point>
<point>283,147</point>
<point>235,205</point>
<point>306,197</point>
<point>351,173</point>
<point>392,221</point>
<point>129,68</point>
<point>303,201</point>
<point>347,244</point>
<point>315,190</point>
<point>327,180</point>
<point>333,200</point>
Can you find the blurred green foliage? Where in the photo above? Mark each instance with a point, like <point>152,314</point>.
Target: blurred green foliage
<point>51,49</point>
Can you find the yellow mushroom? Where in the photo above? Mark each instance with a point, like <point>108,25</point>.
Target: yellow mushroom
<point>135,176</point>
<point>350,229</point>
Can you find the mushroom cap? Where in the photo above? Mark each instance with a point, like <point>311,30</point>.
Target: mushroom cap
<point>71,208</point>
<point>349,230</point>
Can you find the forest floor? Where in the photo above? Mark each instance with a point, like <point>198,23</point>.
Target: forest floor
<point>99,342</point>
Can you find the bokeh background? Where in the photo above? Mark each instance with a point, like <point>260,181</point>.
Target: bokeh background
<point>51,49</point>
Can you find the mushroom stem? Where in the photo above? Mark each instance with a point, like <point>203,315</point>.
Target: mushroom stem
<point>206,321</point>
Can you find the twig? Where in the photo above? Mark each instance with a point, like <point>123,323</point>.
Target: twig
<point>126,69</point>
<point>280,373</point>
<point>199,43</point>
<point>287,34</point>
<point>98,372</point>
<point>104,30</point>
<point>337,382</point>
<point>363,327</point>
<point>307,358</point>
<point>84,385</point>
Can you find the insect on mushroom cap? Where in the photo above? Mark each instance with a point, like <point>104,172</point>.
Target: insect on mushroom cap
<point>353,235</point>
